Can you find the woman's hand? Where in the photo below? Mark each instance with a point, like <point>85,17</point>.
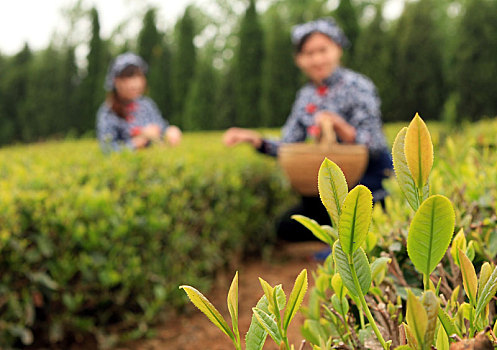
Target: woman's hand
<point>173,135</point>
<point>151,132</point>
<point>140,141</point>
<point>344,130</point>
<point>234,136</point>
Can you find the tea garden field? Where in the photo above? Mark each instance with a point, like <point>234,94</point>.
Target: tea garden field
<point>98,244</point>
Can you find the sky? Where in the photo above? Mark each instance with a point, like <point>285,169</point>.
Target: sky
<point>37,22</point>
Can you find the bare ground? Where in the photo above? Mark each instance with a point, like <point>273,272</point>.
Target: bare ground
<point>192,330</point>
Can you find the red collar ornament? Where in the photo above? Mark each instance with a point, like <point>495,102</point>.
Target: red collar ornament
<point>310,108</point>
<point>322,90</point>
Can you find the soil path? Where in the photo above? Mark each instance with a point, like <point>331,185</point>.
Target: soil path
<point>193,331</point>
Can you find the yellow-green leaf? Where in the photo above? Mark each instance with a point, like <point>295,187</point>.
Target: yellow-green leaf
<point>317,230</point>
<point>332,188</point>
<point>442,339</point>
<point>337,285</point>
<point>487,293</point>
<point>485,272</point>
<point>268,292</point>
<point>355,219</point>
<point>469,280</point>
<point>412,342</point>
<point>268,323</point>
<point>233,305</point>
<point>430,233</point>
<point>295,299</point>
<point>402,173</point>
<point>459,241</point>
<point>416,317</point>
<point>204,305</point>
<point>361,266</point>
<point>418,151</point>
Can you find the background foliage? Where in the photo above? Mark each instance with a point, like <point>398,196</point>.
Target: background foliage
<point>90,243</point>
<point>436,58</point>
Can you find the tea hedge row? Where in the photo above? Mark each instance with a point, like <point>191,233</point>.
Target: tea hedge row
<point>90,242</point>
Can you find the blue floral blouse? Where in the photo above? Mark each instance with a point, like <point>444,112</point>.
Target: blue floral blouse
<point>115,133</point>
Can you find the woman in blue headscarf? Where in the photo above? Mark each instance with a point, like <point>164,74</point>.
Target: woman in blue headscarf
<point>346,98</point>
<point>127,119</point>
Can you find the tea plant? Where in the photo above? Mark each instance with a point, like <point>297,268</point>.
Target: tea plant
<point>266,317</point>
<point>431,318</point>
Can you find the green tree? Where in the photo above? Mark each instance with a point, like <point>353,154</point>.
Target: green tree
<point>225,100</point>
<point>69,92</point>
<point>200,110</point>
<point>153,49</point>
<point>149,38</point>
<point>373,59</point>
<point>418,63</point>
<point>184,59</point>
<point>34,110</point>
<point>248,69</point>
<point>347,18</point>
<point>280,75</point>
<point>476,62</point>
<point>92,93</point>
<point>14,90</point>
<point>159,79</point>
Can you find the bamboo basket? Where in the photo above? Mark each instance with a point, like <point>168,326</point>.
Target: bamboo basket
<point>301,161</point>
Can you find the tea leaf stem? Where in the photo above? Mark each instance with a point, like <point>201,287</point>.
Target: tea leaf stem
<point>426,281</point>
<point>365,307</point>
<point>471,322</point>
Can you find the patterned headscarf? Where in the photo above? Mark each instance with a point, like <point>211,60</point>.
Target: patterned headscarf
<point>326,26</point>
<point>119,64</point>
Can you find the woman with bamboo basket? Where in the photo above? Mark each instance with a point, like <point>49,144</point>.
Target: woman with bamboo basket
<point>340,107</point>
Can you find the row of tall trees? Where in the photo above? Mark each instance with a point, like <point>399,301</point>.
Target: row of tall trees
<point>226,67</point>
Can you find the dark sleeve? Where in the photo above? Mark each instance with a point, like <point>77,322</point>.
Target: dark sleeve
<point>269,147</point>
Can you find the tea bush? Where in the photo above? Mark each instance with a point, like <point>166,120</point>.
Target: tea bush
<point>416,283</point>
<point>91,243</point>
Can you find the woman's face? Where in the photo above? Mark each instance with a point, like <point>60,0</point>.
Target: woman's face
<point>319,57</point>
<point>130,88</point>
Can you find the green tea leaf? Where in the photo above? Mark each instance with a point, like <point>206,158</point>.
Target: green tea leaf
<point>332,189</point>
<point>269,324</point>
<point>379,268</point>
<point>412,342</point>
<point>404,177</point>
<point>355,219</point>
<point>447,323</point>
<point>256,334</point>
<point>296,298</point>
<point>442,339</point>
<point>459,242</point>
<point>469,280</point>
<point>430,233</point>
<point>233,305</point>
<point>487,293</point>
<point>315,228</point>
<point>416,317</point>
<point>268,292</point>
<point>485,272</point>
<point>418,150</point>
<point>403,347</point>
<point>337,285</point>
<point>361,265</point>
<point>204,305</point>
